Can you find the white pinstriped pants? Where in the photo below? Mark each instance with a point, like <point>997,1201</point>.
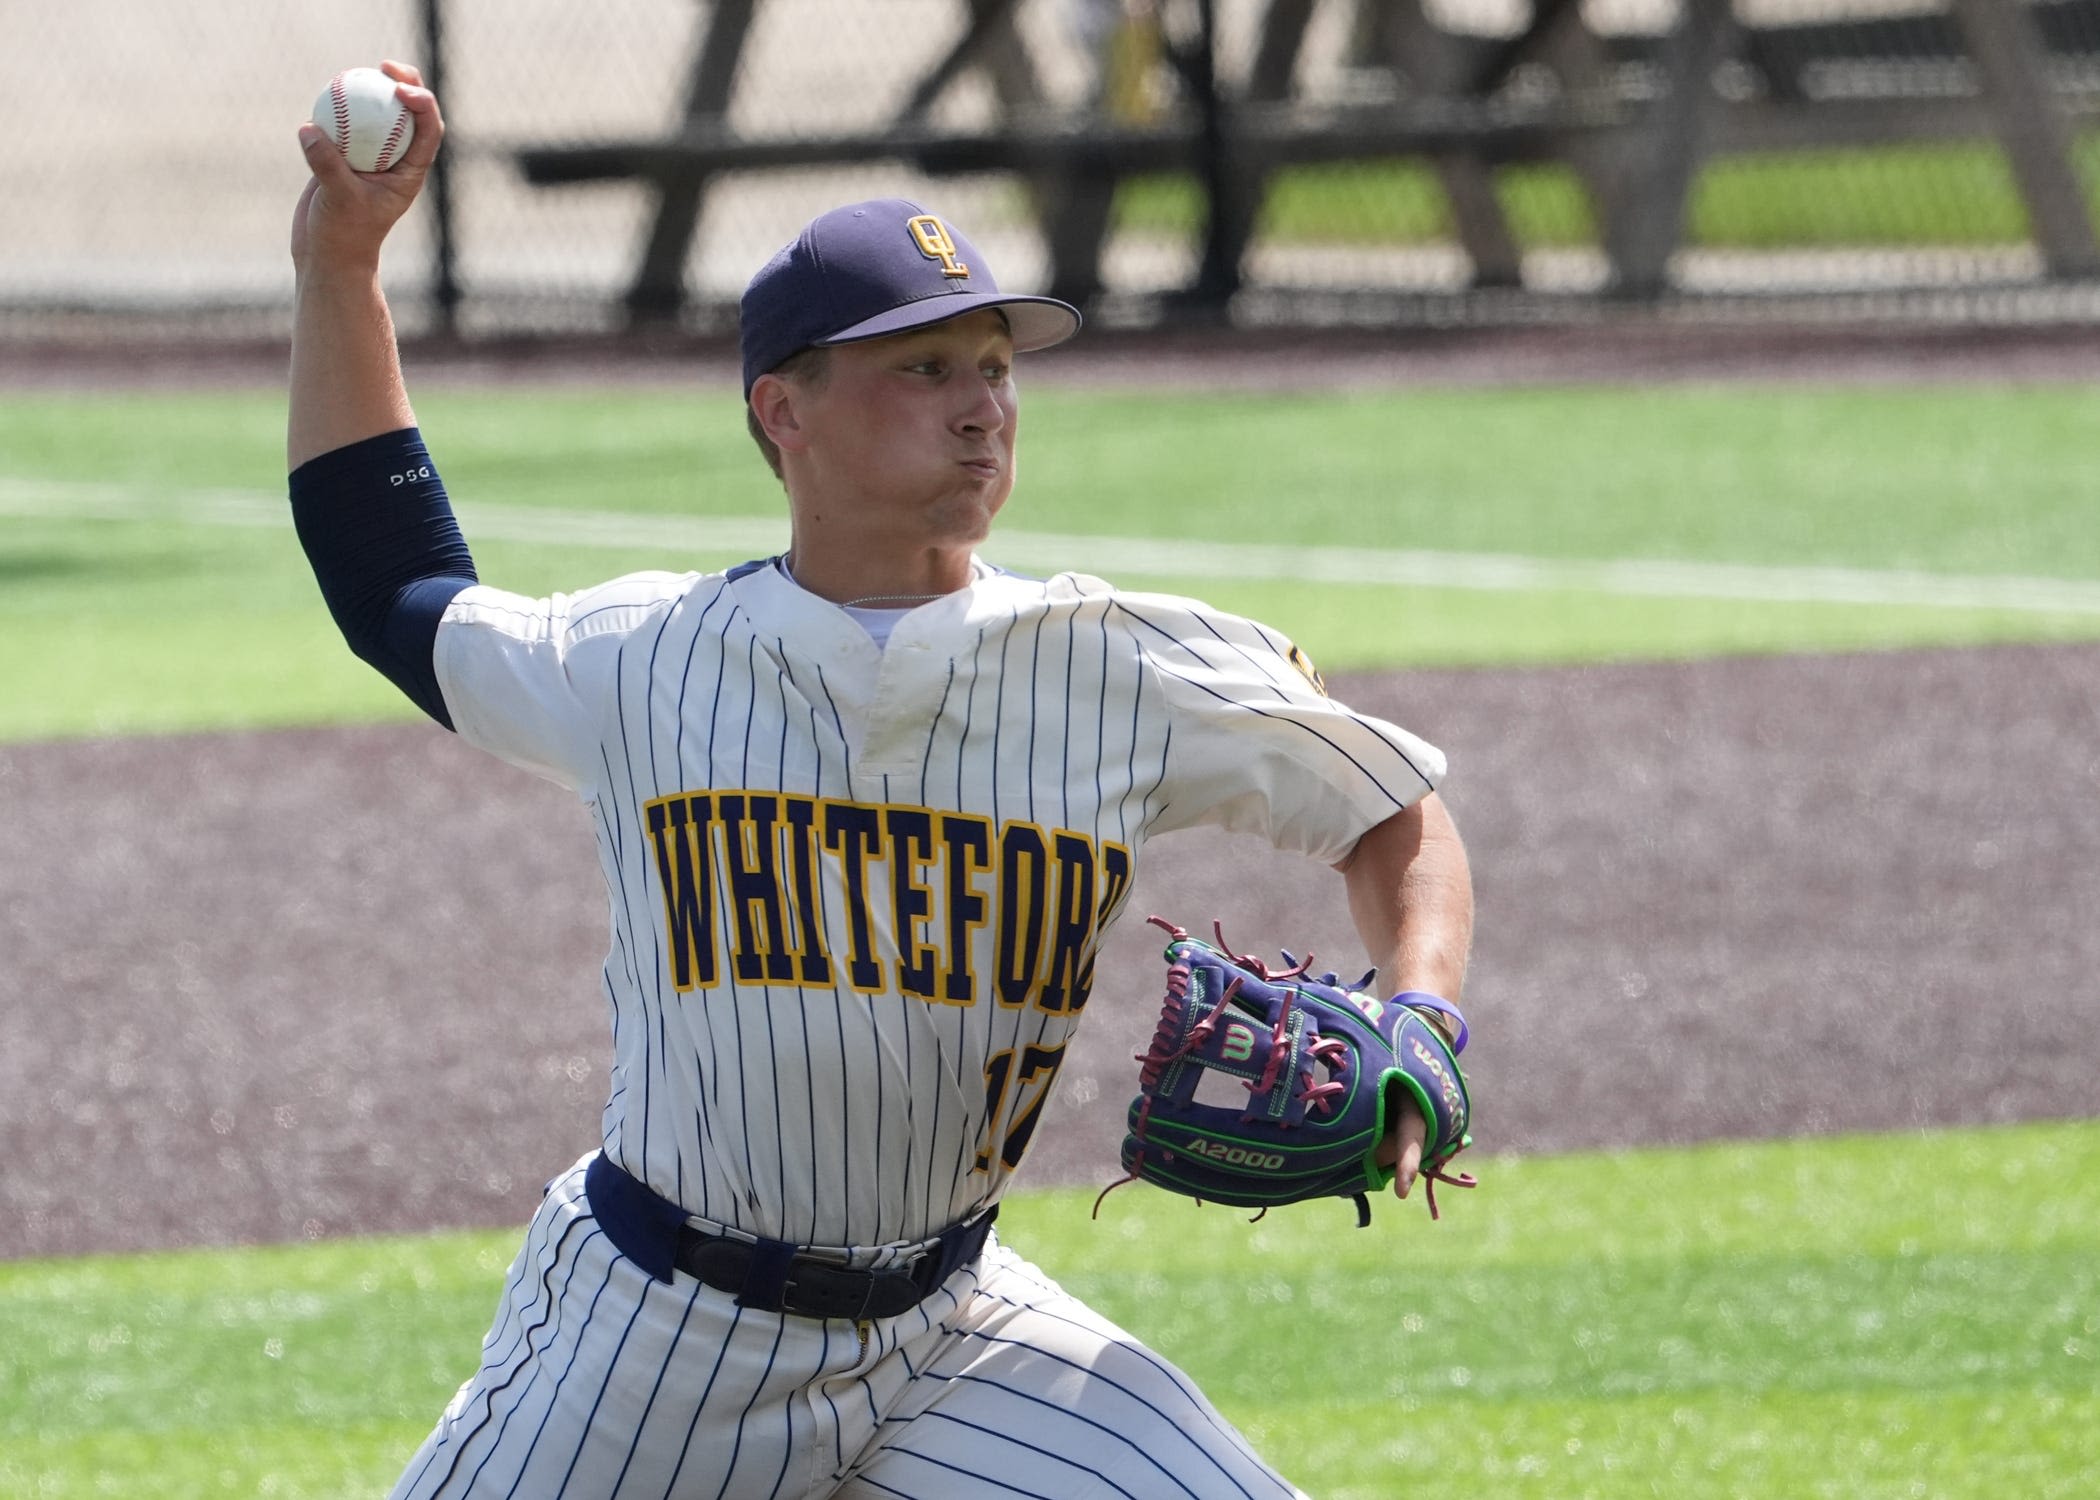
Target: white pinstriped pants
<point>600,1383</point>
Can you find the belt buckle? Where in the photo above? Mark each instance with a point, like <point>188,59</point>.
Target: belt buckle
<point>813,1286</point>
<point>906,1277</point>
<point>825,1295</point>
<point>925,1269</point>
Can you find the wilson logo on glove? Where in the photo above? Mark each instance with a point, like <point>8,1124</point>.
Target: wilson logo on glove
<point>1454,1098</point>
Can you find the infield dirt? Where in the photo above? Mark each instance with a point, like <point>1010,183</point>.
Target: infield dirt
<point>273,986</point>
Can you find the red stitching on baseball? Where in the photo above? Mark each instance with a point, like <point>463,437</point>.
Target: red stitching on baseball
<point>341,99</point>
<point>391,144</point>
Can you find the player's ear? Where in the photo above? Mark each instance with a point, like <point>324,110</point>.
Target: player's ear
<point>773,403</point>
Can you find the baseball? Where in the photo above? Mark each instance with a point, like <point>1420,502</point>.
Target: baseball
<point>359,112</point>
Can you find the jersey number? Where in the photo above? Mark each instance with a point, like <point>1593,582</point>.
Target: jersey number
<point>1036,1063</point>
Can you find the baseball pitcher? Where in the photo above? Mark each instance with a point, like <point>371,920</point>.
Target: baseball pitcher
<point>864,811</point>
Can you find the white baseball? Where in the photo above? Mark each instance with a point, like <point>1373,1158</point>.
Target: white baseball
<point>358,111</point>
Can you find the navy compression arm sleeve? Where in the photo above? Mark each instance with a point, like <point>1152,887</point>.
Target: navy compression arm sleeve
<point>387,553</point>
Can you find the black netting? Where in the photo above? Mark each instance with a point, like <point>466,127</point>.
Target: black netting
<point>1356,159</point>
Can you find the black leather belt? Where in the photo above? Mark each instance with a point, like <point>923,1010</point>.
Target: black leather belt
<point>770,1275</point>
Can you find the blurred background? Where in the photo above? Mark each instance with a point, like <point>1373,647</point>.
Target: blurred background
<point>1294,163</point>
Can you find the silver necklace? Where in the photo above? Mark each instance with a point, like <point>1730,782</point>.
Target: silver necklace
<point>782,562</point>
<point>881,598</point>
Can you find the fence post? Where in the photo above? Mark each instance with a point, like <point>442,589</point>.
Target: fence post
<point>658,293</point>
<point>444,270</point>
<point>2014,81</point>
<point>1281,37</point>
<point>1429,57</point>
<point>1218,276</point>
<point>1665,152</point>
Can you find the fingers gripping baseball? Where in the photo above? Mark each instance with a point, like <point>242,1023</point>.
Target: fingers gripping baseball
<point>343,216</point>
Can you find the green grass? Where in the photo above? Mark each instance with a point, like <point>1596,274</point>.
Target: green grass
<point>1850,1317</point>
<point>1900,196</point>
<point>282,1371</point>
<point>1364,629</point>
<point>149,623</point>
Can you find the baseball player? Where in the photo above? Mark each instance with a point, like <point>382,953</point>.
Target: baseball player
<point>864,811</point>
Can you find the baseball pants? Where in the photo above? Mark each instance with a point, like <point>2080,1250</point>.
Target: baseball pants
<point>598,1382</point>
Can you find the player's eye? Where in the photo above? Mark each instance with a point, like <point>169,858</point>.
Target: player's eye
<point>996,372</point>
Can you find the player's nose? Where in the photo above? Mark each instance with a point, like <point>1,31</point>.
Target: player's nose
<point>981,408</point>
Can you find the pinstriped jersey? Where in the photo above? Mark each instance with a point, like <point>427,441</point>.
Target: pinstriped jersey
<point>856,891</point>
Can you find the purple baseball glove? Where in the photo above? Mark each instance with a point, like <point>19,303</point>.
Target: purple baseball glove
<point>1317,1070</point>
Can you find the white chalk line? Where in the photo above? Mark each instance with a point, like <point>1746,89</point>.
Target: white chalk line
<point>1122,556</point>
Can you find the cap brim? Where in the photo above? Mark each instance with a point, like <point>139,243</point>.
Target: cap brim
<point>1037,322</point>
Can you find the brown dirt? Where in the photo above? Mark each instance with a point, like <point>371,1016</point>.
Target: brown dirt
<point>265,986</point>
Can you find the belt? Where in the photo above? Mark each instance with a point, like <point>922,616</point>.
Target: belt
<point>769,1275</point>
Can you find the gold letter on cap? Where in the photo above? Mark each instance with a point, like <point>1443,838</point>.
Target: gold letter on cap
<point>936,244</point>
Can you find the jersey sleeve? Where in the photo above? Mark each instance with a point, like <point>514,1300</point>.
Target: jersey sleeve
<point>532,681</point>
<point>1255,744</point>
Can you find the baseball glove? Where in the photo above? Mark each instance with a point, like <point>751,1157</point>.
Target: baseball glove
<point>1323,1069</point>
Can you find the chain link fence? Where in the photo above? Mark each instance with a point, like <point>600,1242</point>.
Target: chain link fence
<point>1293,161</point>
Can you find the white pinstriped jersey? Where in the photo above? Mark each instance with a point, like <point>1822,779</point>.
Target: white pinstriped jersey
<point>856,892</point>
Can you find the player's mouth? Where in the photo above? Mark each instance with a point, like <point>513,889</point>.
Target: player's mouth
<point>983,468</point>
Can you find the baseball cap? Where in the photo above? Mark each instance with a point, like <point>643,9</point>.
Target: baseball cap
<point>871,269</point>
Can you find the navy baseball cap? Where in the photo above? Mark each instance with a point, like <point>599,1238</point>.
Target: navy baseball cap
<point>871,269</point>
